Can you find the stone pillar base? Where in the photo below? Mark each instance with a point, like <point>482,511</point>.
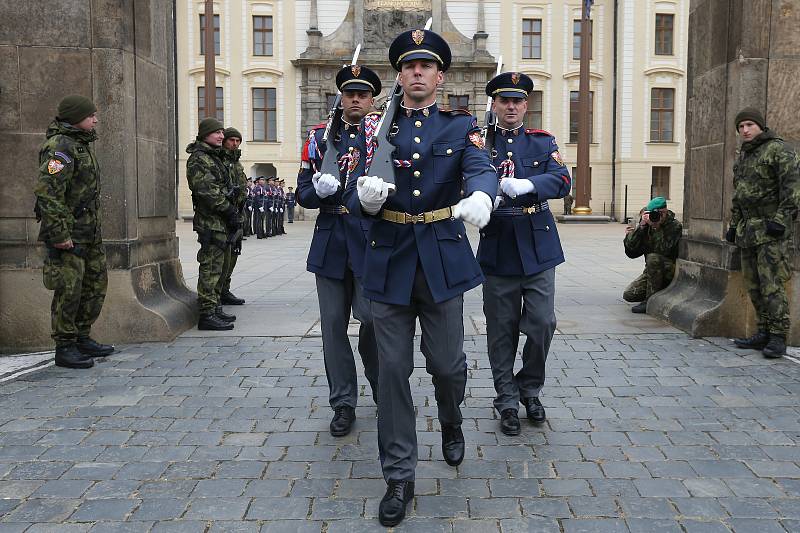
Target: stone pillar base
<point>708,301</point>
<point>146,303</point>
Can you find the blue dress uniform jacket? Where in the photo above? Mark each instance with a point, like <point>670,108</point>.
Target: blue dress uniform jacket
<point>529,244</point>
<point>338,240</point>
<point>435,160</point>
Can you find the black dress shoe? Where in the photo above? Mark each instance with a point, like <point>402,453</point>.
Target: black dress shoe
<point>342,421</point>
<point>213,323</point>
<point>534,409</point>
<point>89,346</point>
<point>222,315</point>
<point>392,508</point>
<point>757,341</point>
<point>228,298</point>
<point>452,445</point>
<point>639,308</point>
<point>509,422</point>
<point>69,357</point>
<point>775,348</point>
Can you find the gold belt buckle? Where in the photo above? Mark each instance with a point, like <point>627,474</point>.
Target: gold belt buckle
<point>414,219</point>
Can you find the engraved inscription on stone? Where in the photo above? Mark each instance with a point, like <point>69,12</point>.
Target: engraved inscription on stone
<point>409,5</point>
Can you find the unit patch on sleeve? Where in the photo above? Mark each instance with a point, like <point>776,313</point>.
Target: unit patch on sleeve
<point>557,158</point>
<point>477,139</point>
<point>54,166</point>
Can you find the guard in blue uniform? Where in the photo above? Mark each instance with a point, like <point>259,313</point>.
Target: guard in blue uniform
<point>260,208</point>
<point>418,262</point>
<point>519,250</point>
<point>337,248</point>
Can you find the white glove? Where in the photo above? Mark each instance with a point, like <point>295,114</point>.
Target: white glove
<point>372,192</point>
<point>281,210</point>
<point>250,207</point>
<point>498,201</point>
<point>272,209</point>
<point>515,186</point>
<point>475,209</point>
<point>261,209</point>
<point>324,184</point>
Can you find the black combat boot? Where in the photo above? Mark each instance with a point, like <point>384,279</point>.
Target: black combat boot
<point>343,419</point>
<point>213,323</point>
<point>776,347</point>
<point>89,346</point>
<point>535,410</point>
<point>452,445</point>
<point>228,298</point>
<point>756,341</point>
<point>509,422</point>
<point>68,356</point>
<point>222,315</point>
<point>392,508</point>
<point>639,308</point>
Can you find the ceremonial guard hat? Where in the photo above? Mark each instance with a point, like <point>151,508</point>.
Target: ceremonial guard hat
<point>510,85</point>
<point>419,44</point>
<point>358,78</point>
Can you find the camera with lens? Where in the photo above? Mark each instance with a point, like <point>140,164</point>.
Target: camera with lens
<point>655,216</point>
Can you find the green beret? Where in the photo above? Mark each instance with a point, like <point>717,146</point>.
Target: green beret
<point>207,126</point>
<point>232,132</point>
<point>656,203</point>
<point>74,108</point>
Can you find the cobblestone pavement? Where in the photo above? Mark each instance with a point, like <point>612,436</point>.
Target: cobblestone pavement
<point>645,432</point>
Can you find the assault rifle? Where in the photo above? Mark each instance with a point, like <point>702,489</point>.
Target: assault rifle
<point>330,163</point>
<point>489,127</point>
<point>382,162</point>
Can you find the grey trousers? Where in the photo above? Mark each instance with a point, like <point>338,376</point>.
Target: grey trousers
<point>336,299</point>
<point>443,348</point>
<point>514,304</point>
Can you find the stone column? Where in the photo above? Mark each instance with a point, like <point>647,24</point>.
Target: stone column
<point>741,53</point>
<point>120,54</point>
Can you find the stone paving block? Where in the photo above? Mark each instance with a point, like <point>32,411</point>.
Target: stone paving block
<point>167,489</point>
<point>263,488</point>
<point>614,487</point>
<point>647,507</point>
<point>577,470</point>
<point>529,525</point>
<point>141,471</point>
<point>179,526</point>
<point>63,488</point>
<point>593,506</point>
<point>660,488</point>
<point>594,526</point>
<point>62,528</point>
<point>241,469</point>
<point>290,508</point>
<point>332,509</point>
<point>774,469</point>
<point>753,524</point>
<point>160,509</point>
<point>104,509</point>
<point>442,506</point>
<point>494,508</point>
<point>217,508</point>
<point>566,487</point>
<point>545,507</point>
<point>707,488</point>
<point>37,470</point>
<point>701,508</point>
<point>93,471</point>
<point>303,526</point>
<point>477,488</point>
<point>701,526</point>
<point>225,526</point>
<point>19,489</point>
<point>754,488</point>
<point>649,525</point>
<point>515,488</point>
<point>219,488</point>
<point>748,508</point>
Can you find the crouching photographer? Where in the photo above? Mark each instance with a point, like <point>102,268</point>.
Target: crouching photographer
<point>656,237</point>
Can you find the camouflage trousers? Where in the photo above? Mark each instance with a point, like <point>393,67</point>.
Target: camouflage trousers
<point>766,268</point>
<point>212,257</point>
<point>658,273</point>
<point>79,280</point>
<point>224,284</point>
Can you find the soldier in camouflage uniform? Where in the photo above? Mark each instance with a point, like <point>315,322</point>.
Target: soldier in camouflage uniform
<point>656,237</point>
<point>215,218</point>
<point>766,182</point>
<point>231,143</point>
<point>68,206</point>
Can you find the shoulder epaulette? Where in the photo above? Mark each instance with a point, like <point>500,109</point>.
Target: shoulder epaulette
<point>375,113</point>
<point>538,132</point>
<point>455,112</point>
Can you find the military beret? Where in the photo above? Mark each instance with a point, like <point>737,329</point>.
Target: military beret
<point>750,113</point>
<point>656,203</point>
<point>232,132</point>
<point>207,126</point>
<point>358,78</point>
<point>510,85</point>
<point>74,108</point>
<point>419,44</point>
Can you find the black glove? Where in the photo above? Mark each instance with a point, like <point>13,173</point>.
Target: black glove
<point>774,229</point>
<point>232,219</point>
<point>730,235</point>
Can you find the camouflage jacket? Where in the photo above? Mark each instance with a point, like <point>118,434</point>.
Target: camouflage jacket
<point>766,184</point>
<point>238,176</point>
<point>663,240</point>
<point>68,190</point>
<point>210,178</point>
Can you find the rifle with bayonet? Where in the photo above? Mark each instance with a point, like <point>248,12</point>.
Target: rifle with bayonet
<point>330,161</point>
<point>383,159</point>
<point>490,127</point>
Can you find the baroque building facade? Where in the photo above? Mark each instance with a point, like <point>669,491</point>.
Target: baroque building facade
<point>277,61</point>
